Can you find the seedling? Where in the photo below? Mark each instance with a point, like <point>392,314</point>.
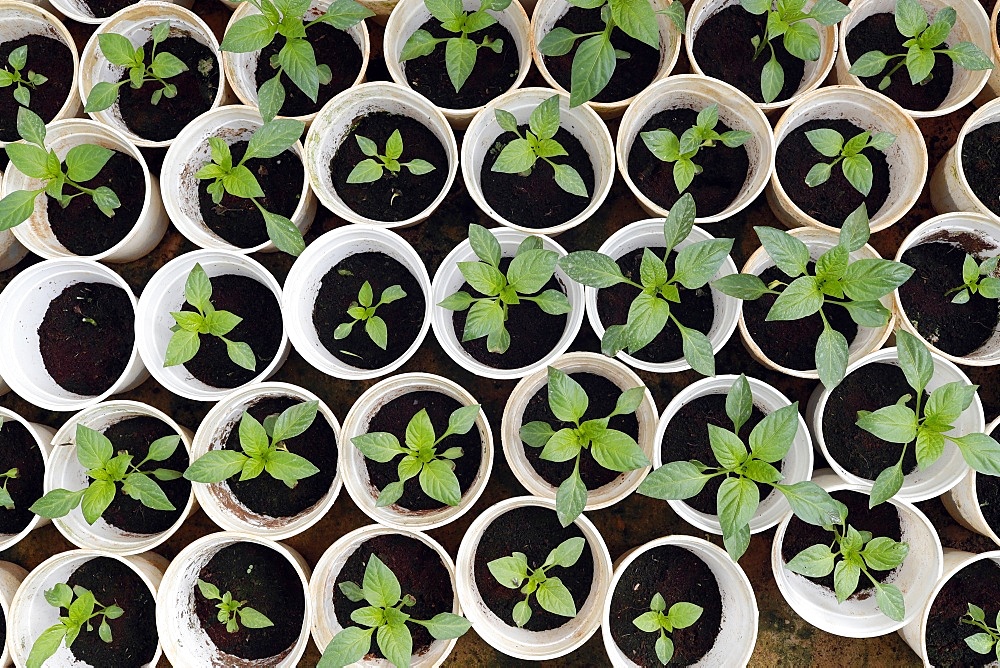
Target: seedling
<point>230,609</point>
<point>786,20</point>
<point>81,607</point>
<point>856,285</point>
<point>979,278</point>
<point>421,459</point>
<point>986,642</point>
<point>82,163</point>
<point>6,501</point>
<point>23,83</point>
<point>921,51</point>
<point>513,572</point>
<point>743,471</point>
<point>529,271</point>
<point>264,449</point>
<point>369,170</point>
<point>364,311</point>
<point>384,618</point>
<point>270,140</point>
<point>926,426</point>
<point>119,51</point>
<point>666,146</point>
<point>520,155</point>
<point>680,616</point>
<point>650,311</point>
<point>856,166</point>
<point>297,58</point>
<point>613,449</point>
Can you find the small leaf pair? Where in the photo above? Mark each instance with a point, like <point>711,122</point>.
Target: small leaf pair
<point>364,311</point>
<point>987,641</point>
<point>230,609</point>
<point>369,170</point>
<point>680,616</point>
<point>81,607</point>
<point>23,83</point>
<point>977,278</point>
<point>856,166</point>
<point>553,596</point>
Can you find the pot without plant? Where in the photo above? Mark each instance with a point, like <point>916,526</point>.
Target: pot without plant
<point>969,502</point>
<point>11,576</point>
<point>26,447</point>
<point>98,12</point>
<point>965,178</point>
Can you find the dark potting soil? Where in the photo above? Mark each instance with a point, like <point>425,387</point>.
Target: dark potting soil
<point>723,51</point>
<point>86,337</point>
<point>981,164</point>
<point>268,583</point>
<point>833,201</point>
<point>393,418</point>
<point>957,329</point>
<point>533,332</point>
<point>420,572</point>
<point>868,388</point>
<point>81,227</point>
<point>266,495</point>
<point>48,57</point>
<point>339,291</point>
<point>493,74</point>
<point>677,575</point>
<point>977,583</point>
<point>631,76</point>
<point>696,309</point>
<point>237,219</point>
<point>260,329</point>
<point>393,197</point>
<point>19,450</point>
<point>792,343</point>
<point>535,531</point>
<point>133,635</point>
<point>724,169</point>
<point>134,436</point>
<point>104,8</point>
<point>536,200</point>
<point>878,32</point>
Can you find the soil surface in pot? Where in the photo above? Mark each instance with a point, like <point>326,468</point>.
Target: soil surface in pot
<point>133,635</point>
<point>393,418</point>
<point>46,56</point>
<point>833,201</point>
<point>265,495</point>
<point>237,219</point>
<point>196,90</point>
<point>104,8</point>
<point>81,227</point>
<point>535,531</point>
<point>988,494</point>
<point>86,337</point>
<point>867,388</point>
<point>878,32</point>
<point>631,76</point>
<point>677,575</point>
<point>339,291</point>
<point>792,343</point>
<point>398,196</point>
<point>957,329</point>
<point>723,50</point>
<point>420,572</point>
<point>533,332</point>
<point>19,450</point>
<point>493,75</point>
<point>261,329</point>
<point>695,311</point>
<point>268,582</point>
<point>536,200</point>
<point>977,583</point>
<point>981,164</point>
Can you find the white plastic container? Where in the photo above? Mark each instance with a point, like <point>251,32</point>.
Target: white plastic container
<point>11,576</point>
<point>79,10</point>
<point>993,85</point>
<point>43,439</point>
<point>962,500</point>
<point>950,189</point>
<point>12,251</point>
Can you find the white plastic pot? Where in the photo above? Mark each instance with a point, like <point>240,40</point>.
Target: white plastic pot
<point>24,302</point>
<point>522,643</point>
<point>738,632</point>
<point>11,576</point>
<point>861,618</point>
<point>190,152</point>
<point>306,276</point>
<point>582,122</point>
<point>868,110</point>
<point>993,87</point>
<point>184,641</point>
<point>43,439</point>
<point>950,189</point>
<point>449,279</point>
<point>962,500</point>
<point>79,10</point>
<point>12,251</point>
<point>165,293</point>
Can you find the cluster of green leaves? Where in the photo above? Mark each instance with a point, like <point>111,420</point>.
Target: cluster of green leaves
<point>613,449</point>
<point>81,607</point>
<point>680,616</point>
<point>83,162</point>
<point>529,271</point>
<point>363,310</point>
<point>856,166</point>
<point>270,140</point>
<point>264,449</point>
<point>921,51</point>
<point>979,278</point>
<point>421,459</point>
<point>23,83</point>
<point>297,58</point>
<point>856,285</point>
<point>926,427</point>
<point>369,170</point>
<point>230,609</point>
<point>513,572</point>
<point>520,155</point>
<point>97,455</point>
<point>650,311</point>
<point>786,19</point>
<point>384,617</point>
<point>989,639</point>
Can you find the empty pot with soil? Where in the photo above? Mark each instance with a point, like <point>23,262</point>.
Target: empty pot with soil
<point>11,576</point>
<point>96,12</point>
<point>975,501</point>
<point>967,178</point>
<point>24,447</point>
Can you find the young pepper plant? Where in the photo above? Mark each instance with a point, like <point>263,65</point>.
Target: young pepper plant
<point>23,83</point>
<point>979,278</point>
<point>5,498</point>
<point>680,616</point>
<point>81,607</point>
<point>988,640</point>
<point>230,609</point>
<point>553,596</point>
<point>363,310</point>
<point>855,165</point>
<point>369,169</point>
